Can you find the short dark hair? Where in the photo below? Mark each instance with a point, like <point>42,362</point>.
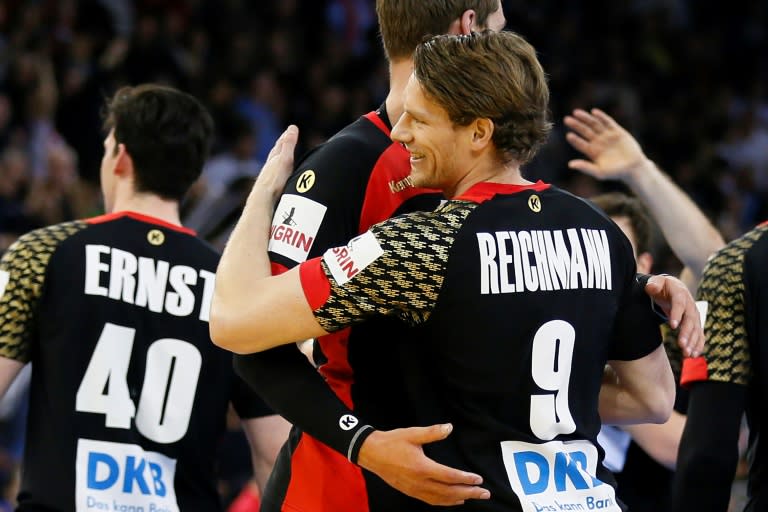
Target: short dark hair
<point>167,133</point>
<point>403,24</point>
<point>493,75</point>
<point>618,204</point>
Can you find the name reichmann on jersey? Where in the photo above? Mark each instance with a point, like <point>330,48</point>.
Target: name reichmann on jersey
<point>145,281</point>
<point>542,260</point>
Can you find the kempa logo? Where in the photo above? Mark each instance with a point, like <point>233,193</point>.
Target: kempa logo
<point>156,237</point>
<point>534,203</point>
<point>399,186</point>
<point>347,422</point>
<point>306,180</point>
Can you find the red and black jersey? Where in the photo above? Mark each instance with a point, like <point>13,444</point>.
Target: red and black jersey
<point>519,296</point>
<point>728,381</point>
<point>128,394</point>
<point>357,178</point>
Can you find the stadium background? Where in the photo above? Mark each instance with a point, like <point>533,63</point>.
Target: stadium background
<point>688,78</point>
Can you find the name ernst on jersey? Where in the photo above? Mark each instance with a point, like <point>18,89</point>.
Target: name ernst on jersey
<point>145,282</point>
<point>542,260</point>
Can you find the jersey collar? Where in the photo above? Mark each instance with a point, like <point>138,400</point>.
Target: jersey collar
<point>142,218</point>
<point>485,190</point>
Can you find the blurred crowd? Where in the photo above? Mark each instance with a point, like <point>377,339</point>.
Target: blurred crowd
<point>689,79</point>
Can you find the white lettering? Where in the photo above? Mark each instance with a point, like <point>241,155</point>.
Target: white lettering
<point>93,268</point>
<point>145,282</point>
<point>181,301</point>
<point>540,260</point>
<point>489,272</point>
<point>152,282</point>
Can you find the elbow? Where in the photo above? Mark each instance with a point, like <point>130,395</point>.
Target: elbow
<point>661,405</point>
<point>231,333</point>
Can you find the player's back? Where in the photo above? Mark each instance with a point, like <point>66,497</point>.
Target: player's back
<point>525,321</point>
<point>128,393</point>
<point>735,285</point>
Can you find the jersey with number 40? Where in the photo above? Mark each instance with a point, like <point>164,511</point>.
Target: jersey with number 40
<point>128,394</point>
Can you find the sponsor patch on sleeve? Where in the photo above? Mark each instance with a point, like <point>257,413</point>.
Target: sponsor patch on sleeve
<point>294,226</point>
<point>346,262</point>
<point>703,307</point>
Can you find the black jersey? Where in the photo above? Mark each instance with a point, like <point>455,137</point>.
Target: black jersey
<point>728,381</point>
<point>521,294</point>
<point>128,393</point>
<point>356,179</point>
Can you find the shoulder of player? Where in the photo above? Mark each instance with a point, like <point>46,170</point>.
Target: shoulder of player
<point>448,216</point>
<point>729,263</point>
<point>358,146</point>
<point>45,240</point>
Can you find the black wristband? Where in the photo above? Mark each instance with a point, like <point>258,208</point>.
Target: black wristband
<point>357,441</point>
<point>643,279</point>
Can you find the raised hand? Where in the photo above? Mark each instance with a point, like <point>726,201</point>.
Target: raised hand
<point>612,152</point>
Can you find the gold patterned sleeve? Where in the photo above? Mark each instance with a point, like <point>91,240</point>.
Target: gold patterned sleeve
<point>722,287</point>
<point>396,268</point>
<point>22,274</point>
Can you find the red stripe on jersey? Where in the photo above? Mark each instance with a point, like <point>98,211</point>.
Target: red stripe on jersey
<point>322,472</point>
<point>337,371</point>
<point>764,223</point>
<point>140,217</point>
<point>314,282</point>
<point>694,370</point>
<point>277,268</point>
<point>485,190</point>
<point>378,121</point>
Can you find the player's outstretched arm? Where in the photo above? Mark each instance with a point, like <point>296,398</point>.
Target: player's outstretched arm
<point>612,153</point>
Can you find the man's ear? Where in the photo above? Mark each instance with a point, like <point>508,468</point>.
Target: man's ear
<point>463,24</point>
<point>482,133</point>
<point>123,161</point>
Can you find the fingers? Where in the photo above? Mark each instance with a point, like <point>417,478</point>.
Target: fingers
<point>442,485</point>
<point>691,334</point>
<point>286,143</point>
<point>595,124</point>
<point>447,495</point>
<point>604,118</point>
<point>584,166</point>
<point>680,308</point>
<point>447,475</point>
<point>424,435</point>
<point>579,127</point>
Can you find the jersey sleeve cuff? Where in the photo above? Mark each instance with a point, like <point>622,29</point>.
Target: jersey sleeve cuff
<point>315,283</point>
<point>694,370</point>
<point>357,441</point>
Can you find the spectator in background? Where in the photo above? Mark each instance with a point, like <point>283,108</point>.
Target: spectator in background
<point>61,194</point>
<point>14,183</point>
<point>215,194</point>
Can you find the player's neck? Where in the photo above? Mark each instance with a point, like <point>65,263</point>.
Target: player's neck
<point>150,205</point>
<point>399,72</point>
